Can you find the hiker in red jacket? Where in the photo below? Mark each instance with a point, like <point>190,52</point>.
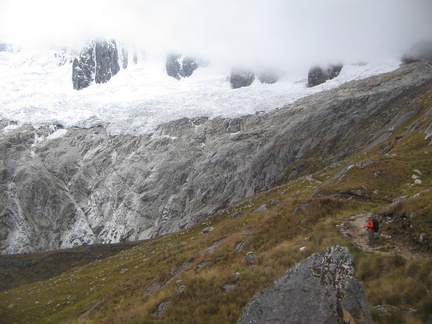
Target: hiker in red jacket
<point>370,229</point>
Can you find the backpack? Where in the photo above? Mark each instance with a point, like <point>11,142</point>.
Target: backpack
<point>375,225</point>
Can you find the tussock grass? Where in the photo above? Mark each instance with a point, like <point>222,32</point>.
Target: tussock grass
<point>204,278</point>
<point>393,280</point>
<point>411,219</point>
<point>217,278</point>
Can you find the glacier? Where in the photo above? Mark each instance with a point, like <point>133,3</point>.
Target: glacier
<point>145,154</point>
<point>36,88</point>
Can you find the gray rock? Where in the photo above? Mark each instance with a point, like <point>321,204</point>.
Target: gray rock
<point>241,78</point>
<point>83,68</point>
<point>161,307</point>
<point>152,288</point>
<point>181,290</point>
<point>321,289</point>
<point>300,208</point>
<point>208,229</point>
<point>179,66</point>
<point>98,62</point>
<point>236,214</point>
<point>387,309</point>
<point>273,202</point>
<point>243,243</point>
<point>261,209</point>
<point>107,61</point>
<point>250,258</point>
<point>181,268</point>
<point>227,287</point>
<point>318,75</point>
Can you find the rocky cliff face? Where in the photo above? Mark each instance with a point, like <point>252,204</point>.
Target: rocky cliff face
<point>64,188</point>
<point>244,78</point>
<point>318,75</point>
<point>98,62</point>
<point>178,66</point>
<point>241,78</point>
<point>321,289</point>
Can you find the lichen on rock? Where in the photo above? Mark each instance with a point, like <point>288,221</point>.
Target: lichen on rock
<point>321,289</point>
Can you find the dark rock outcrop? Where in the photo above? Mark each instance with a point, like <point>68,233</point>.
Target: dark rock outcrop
<point>179,67</point>
<point>321,289</point>
<point>318,75</point>
<point>83,68</point>
<point>98,62</point>
<point>125,58</point>
<point>241,78</point>
<point>90,187</point>
<point>250,258</point>
<point>107,61</point>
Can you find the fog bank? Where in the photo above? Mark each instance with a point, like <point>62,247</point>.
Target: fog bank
<point>283,33</point>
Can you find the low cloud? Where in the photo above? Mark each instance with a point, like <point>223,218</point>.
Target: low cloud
<point>285,33</point>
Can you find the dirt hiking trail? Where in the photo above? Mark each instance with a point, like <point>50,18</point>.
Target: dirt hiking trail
<point>354,229</point>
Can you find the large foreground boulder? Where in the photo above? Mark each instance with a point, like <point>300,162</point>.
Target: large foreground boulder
<point>321,289</point>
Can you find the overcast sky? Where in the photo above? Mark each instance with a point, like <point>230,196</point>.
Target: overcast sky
<point>248,31</point>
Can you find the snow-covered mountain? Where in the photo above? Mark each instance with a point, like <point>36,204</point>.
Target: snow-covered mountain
<point>171,111</point>
<point>153,153</point>
<point>36,87</point>
<point>66,187</point>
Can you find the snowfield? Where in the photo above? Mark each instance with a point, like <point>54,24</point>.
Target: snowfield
<point>36,88</point>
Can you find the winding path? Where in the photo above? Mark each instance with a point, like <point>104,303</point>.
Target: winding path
<point>354,229</point>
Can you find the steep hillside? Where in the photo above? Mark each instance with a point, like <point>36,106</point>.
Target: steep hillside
<point>64,188</point>
<point>308,193</point>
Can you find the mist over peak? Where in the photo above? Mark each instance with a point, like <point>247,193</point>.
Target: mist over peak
<point>276,39</point>
<point>248,32</point>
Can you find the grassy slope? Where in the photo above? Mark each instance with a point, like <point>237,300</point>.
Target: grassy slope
<point>204,278</point>
<point>20,269</point>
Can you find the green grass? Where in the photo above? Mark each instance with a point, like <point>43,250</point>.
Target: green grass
<point>274,238</point>
<point>212,267</point>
